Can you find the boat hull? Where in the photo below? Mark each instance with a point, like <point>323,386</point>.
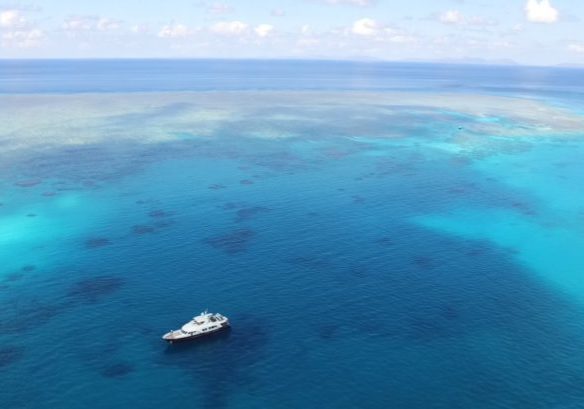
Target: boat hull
<point>195,336</point>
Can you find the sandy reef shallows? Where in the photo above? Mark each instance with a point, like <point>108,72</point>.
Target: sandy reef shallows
<point>42,121</point>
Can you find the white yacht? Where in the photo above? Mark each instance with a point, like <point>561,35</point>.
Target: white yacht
<point>204,324</point>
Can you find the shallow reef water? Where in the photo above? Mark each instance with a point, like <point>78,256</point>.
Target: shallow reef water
<point>372,247</point>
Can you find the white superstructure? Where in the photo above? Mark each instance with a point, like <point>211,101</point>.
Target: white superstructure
<point>203,324</point>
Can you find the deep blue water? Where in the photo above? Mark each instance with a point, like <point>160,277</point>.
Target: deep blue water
<point>70,76</point>
<point>368,255</point>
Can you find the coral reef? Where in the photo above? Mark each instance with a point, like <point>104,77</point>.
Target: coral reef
<point>10,355</point>
<point>117,370</point>
<point>141,229</point>
<point>234,242</point>
<point>28,183</point>
<point>95,288</point>
<point>250,212</point>
<point>97,242</point>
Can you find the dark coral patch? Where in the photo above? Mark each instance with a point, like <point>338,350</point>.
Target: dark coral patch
<point>523,208</point>
<point>158,214</point>
<point>385,241</point>
<point>97,242</point>
<point>250,212</point>
<point>231,243</point>
<point>28,183</point>
<point>328,331</point>
<point>38,314</point>
<point>49,194</point>
<point>334,153</point>
<point>463,189</point>
<point>28,268</point>
<point>93,289</point>
<point>216,186</point>
<point>280,161</point>
<point>117,370</point>
<point>68,189</point>
<point>164,223</point>
<point>31,215</point>
<point>424,262</point>
<point>14,277</point>
<point>142,229</point>
<point>457,191</point>
<point>449,312</point>
<point>246,182</point>
<point>10,355</point>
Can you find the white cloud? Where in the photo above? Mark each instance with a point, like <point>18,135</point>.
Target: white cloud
<point>174,31</point>
<point>12,19</point>
<point>365,27</point>
<point>90,23</point>
<point>230,28</point>
<point>540,11</point>
<point>23,38</point>
<point>79,23</point>
<point>108,24</point>
<point>452,17</point>
<point>370,28</point>
<point>378,32</point>
<point>455,17</point>
<point>222,28</point>
<point>140,28</point>
<point>577,48</point>
<point>263,30</point>
<point>18,32</point>
<point>401,38</point>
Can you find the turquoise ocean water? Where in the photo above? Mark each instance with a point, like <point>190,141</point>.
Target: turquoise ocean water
<point>380,235</point>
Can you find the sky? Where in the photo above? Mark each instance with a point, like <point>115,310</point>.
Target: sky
<point>530,32</point>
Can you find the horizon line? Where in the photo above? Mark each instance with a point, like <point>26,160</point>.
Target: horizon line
<point>283,59</point>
